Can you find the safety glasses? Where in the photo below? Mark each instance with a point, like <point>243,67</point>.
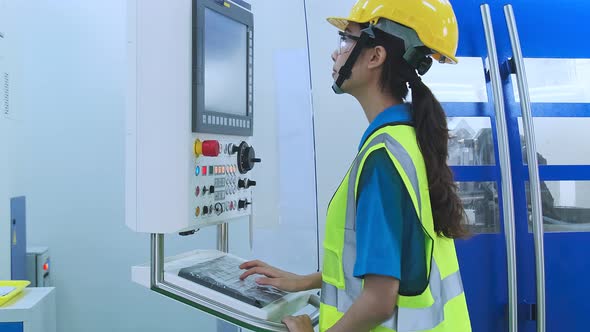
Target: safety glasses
<point>345,42</point>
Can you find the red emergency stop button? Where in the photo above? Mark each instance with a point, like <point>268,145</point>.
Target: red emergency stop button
<point>210,148</point>
<point>45,267</point>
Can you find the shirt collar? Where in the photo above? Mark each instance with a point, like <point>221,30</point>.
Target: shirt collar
<point>395,113</point>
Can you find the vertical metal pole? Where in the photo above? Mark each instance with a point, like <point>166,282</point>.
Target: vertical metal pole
<point>157,259</point>
<point>223,245</point>
<point>531,147</point>
<point>504,155</point>
<point>222,237</point>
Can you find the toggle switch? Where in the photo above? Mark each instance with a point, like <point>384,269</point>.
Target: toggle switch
<point>243,204</point>
<point>246,183</point>
<point>205,210</point>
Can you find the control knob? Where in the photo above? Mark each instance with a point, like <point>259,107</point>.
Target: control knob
<point>218,208</point>
<point>246,157</point>
<point>246,183</point>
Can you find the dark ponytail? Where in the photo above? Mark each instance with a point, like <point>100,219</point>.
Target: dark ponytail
<point>433,136</point>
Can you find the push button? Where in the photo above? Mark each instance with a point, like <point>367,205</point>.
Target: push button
<point>210,148</point>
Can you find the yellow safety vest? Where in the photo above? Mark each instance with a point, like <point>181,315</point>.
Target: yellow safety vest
<point>442,305</point>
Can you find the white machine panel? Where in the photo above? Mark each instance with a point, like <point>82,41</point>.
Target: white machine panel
<point>158,116</point>
<point>13,143</point>
<point>171,187</point>
<point>5,137</point>
<point>35,308</point>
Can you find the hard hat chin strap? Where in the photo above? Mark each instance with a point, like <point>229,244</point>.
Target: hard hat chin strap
<point>417,56</point>
<point>346,71</point>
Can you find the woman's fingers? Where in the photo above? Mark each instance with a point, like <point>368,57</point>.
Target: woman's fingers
<point>298,323</point>
<point>275,282</point>
<point>289,321</point>
<point>251,264</point>
<point>267,271</point>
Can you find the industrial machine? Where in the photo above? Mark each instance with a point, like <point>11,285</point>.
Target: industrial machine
<point>189,153</point>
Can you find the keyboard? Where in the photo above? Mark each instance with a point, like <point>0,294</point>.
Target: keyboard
<point>222,274</point>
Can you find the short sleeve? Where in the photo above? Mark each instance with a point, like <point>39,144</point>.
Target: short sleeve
<point>379,225</point>
<point>390,238</point>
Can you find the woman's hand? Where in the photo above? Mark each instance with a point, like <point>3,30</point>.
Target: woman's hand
<point>274,277</point>
<point>298,323</point>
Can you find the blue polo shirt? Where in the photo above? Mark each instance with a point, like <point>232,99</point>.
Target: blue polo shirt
<point>390,240</point>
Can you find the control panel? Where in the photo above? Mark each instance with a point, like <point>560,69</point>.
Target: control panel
<point>190,166</point>
<point>221,186</point>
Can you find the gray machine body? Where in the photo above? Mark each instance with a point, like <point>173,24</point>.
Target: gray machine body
<point>38,267</point>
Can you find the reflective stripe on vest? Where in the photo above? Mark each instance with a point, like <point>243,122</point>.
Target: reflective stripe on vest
<point>405,319</point>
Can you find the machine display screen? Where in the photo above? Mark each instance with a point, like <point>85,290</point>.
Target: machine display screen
<point>226,66</point>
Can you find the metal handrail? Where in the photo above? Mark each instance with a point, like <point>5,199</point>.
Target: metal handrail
<point>215,308</point>
<point>504,155</point>
<point>533,166</point>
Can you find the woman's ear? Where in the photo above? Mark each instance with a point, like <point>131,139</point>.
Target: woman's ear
<point>378,56</point>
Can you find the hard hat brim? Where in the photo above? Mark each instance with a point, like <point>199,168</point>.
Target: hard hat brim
<point>340,23</point>
<point>448,59</point>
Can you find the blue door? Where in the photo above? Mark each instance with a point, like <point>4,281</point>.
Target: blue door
<point>466,94</point>
<point>553,39</point>
<point>555,52</point>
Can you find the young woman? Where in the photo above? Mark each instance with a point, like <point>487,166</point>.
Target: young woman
<point>389,255</point>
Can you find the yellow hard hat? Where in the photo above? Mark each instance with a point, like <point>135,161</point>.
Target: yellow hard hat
<point>433,21</point>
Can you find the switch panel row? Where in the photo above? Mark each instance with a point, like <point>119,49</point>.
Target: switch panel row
<point>221,187</point>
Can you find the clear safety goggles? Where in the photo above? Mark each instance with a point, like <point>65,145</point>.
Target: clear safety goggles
<point>346,42</point>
